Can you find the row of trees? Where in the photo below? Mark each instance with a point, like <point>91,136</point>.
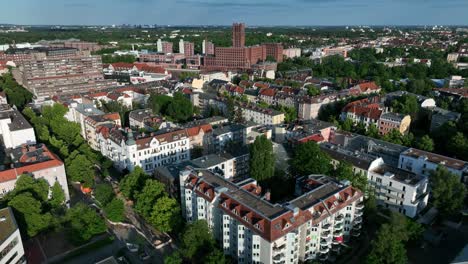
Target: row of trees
<point>113,207</point>
<point>16,94</point>
<point>37,212</point>
<point>177,108</point>
<point>64,137</point>
<point>197,246</point>
<point>151,200</point>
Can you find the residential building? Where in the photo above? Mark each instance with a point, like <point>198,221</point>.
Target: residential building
<point>422,163</point>
<point>165,46</point>
<point>186,48</point>
<point>261,116</point>
<point>440,116</point>
<point>223,135</point>
<point>252,230</point>
<point>208,48</point>
<point>335,51</point>
<point>34,160</point>
<point>78,112</point>
<point>144,119</point>
<point>146,151</point>
<point>275,50</point>
<point>292,52</point>
<point>14,129</point>
<point>11,245</point>
<point>93,123</point>
<point>397,189</point>
<point>199,134</point>
<point>366,111</point>
<point>61,71</point>
<point>392,121</point>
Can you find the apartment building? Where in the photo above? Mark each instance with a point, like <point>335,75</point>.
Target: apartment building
<point>11,245</point>
<point>208,47</point>
<point>422,163</point>
<point>252,230</point>
<point>440,116</point>
<point>223,135</point>
<point>165,46</point>
<point>186,48</point>
<point>144,118</point>
<point>14,129</point>
<point>147,151</point>
<point>47,74</point>
<point>261,116</point>
<point>34,160</point>
<point>392,121</point>
<point>397,189</point>
<point>366,111</point>
<point>92,126</point>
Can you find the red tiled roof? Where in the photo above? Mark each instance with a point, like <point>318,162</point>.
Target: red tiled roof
<point>112,116</point>
<point>268,92</point>
<point>122,66</point>
<point>195,131</point>
<point>368,86</point>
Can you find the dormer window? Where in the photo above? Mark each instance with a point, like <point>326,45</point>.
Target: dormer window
<point>287,225</point>
<point>234,211</point>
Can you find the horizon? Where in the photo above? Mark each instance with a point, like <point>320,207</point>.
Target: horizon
<point>212,12</point>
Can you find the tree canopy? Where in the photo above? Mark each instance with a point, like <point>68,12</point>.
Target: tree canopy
<point>309,159</point>
<point>133,182</point>
<point>447,190</point>
<point>83,223</point>
<point>262,159</point>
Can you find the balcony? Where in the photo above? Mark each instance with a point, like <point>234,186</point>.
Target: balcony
<point>358,213</point>
<point>323,257</point>
<point>360,206</point>
<point>356,233</point>
<point>336,248</point>
<point>339,219</point>
<point>324,250</point>
<point>326,227</point>
<point>357,227</point>
<point>338,233</point>
<point>278,257</point>
<point>358,220</point>
<point>279,249</point>
<point>339,227</point>
<point>326,234</point>
<point>323,242</point>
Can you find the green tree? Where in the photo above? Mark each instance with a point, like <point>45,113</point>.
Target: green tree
<point>262,159</point>
<point>180,109</point>
<point>80,169</point>
<point>425,143</point>
<point>312,90</point>
<point>132,183</point>
<point>57,198</point>
<point>347,124</point>
<point>447,191</point>
<point>309,159</point>
<point>372,131</point>
<point>29,214</point>
<point>344,171</point>
<point>166,214</point>
<point>115,210</point>
<point>197,240</point>
<point>406,104</point>
<point>39,188</point>
<point>216,257</point>
<point>104,193</point>
<point>145,200</point>
<point>389,246</point>
<point>174,258</point>
<point>83,223</point>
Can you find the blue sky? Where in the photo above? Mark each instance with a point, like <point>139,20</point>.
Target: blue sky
<point>253,12</point>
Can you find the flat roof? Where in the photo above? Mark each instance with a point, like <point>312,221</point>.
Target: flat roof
<point>7,223</point>
<point>435,158</point>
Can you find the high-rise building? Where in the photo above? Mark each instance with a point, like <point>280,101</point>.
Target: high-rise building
<point>238,35</point>
<point>165,46</point>
<point>207,47</point>
<point>186,48</point>
<point>274,50</point>
<point>59,71</point>
<point>251,229</point>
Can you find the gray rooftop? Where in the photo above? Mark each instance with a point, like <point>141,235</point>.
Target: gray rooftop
<point>399,174</point>
<point>7,224</point>
<point>88,110</point>
<point>140,114</point>
<point>18,122</point>
<point>208,161</point>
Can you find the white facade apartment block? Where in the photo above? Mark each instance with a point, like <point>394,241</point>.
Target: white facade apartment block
<point>149,152</point>
<point>263,116</point>
<point>11,245</point>
<point>14,129</point>
<point>252,230</point>
<point>398,190</point>
<point>422,163</point>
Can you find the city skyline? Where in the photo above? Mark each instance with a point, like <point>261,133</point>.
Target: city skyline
<point>209,12</point>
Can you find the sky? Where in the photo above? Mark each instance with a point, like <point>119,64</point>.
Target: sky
<point>224,12</point>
